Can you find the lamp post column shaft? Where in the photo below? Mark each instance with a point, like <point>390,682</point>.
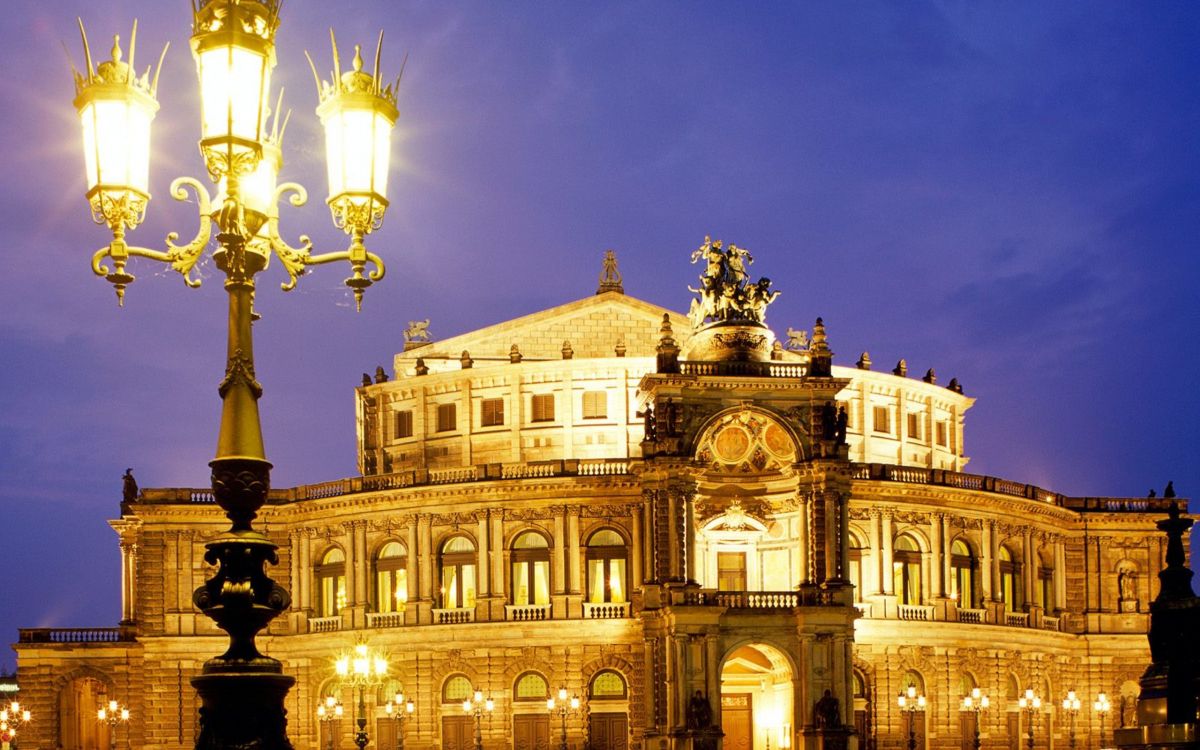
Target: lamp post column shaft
<point>240,434</point>
<point>563,744</point>
<point>478,731</point>
<point>912,732</point>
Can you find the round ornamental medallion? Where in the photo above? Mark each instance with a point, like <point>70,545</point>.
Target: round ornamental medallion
<point>731,444</point>
<point>778,442</point>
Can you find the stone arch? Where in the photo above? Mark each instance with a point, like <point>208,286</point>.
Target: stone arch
<point>75,725</point>
<point>530,661</point>
<point>538,528</point>
<point>748,440</point>
<point>452,665</point>
<point>759,695</point>
<point>608,661</point>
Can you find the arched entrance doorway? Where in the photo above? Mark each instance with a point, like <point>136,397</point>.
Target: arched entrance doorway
<point>756,699</point>
<point>77,725</point>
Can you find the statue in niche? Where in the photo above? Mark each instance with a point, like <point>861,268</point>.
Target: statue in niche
<point>699,712</point>
<point>843,421</point>
<point>649,423</point>
<point>670,418</point>
<point>828,421</point>
<point>1127,589</point>
<point>825,712</point>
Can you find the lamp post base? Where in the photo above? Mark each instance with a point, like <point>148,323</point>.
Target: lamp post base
<point>243,710</point>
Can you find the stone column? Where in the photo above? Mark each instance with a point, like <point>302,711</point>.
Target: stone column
<point>574,579</point>
<point>362,563</point>
<point>674,543</point>
<point>994,559</point>
<point>1031,565</point>
<point>412,564</point>
<point>690,560</point>
<point>1060,574</point>
<point>305,586</point>
<point>350,566</point>
<point>481,575</point>
<point>426,559</point>
<point>559,553</point>
<point>497,521</point>
<point>635,553</point>
<point>294,568</point>
<point>936,556</point>
<point>873,579</point>
<point>128,582</point>
<point>807,561</point>
<point>885,552</point>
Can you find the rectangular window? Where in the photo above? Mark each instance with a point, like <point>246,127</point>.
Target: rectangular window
<point>447,419</point>
<point>595,405</point>
<point>882,423</point>
<point>542,408</point>
<point>491,412</point>
<point>404,424</point>
<point>914,425</point>
<point>731,571</point>
<point>941,432</point>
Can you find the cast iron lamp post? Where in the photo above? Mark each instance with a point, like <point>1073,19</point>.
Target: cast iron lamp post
<point>1030,704</point>
<point>11,719</point>
<point>1070,706</point>
<point>910,702</point>
<point>977,702</point>
<point>477,706</point>
<point>563,707</point>
<point>361,669</point>
<point>327,713</point>
<point>400,711</point>
<point>1101,706</point>
<point>233,43</point>
<point>114,714</point>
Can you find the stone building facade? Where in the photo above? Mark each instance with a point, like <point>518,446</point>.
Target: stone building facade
<point>662,516</point>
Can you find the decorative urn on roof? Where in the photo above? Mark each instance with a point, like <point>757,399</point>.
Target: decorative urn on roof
<point>729,317</point>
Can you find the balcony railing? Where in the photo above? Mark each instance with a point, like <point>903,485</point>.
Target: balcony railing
<point>324,624</point>
<point>526,612</point>
<point>1016,619</point>
<point>76,635</point>
<point>385,619</point>
<point>453,616</point>
<point>959,480</point>
<point>746,369</point>
<point>918,612</point>
<point>973,616</point>
<point>760,599</point>
<point>606,610</point>
<point>1051,623</point>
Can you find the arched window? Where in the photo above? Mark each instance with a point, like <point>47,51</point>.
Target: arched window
<point>1011,589</point>
<point>906,570</point>
<point>1012,688</point>
<point>606,555</point>
<point>860,684</point>
<point>530,569</point>
<point>962,574</point>
<point>391,578</point>
<point>331,583</point>
<point>966,683</point>
<point>607,685</point>
<point>458,573</point>
<point>854,557</point>
<point>914,678</point>
<point>531,686</point>
<point>456,689</point>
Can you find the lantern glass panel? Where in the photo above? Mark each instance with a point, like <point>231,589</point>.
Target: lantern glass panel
<point>233,84</point>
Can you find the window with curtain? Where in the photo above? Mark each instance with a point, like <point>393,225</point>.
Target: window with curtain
<point>606,555</point>
<point>1011,590</point>
<point>331,583</point>
<point>595,404</point>
<point>458,573</point>
<point>906,570</point>
<point>731,571</point>
<point>391,578</point>
<point>491,412</point>
<point>962,574</point>
<point>1045,587</point>
<point>542,407</point>
<point>530,569</point>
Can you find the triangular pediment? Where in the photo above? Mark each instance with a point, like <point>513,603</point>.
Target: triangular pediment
<point>594,326</point>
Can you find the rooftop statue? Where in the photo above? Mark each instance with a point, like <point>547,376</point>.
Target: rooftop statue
<point>726,292</point>
<point>418,330</point>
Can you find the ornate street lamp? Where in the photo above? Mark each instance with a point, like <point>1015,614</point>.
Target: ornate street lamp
<point>114,714</point>
<point>910,702</point>
<point>1030,704</point>
<point>477,706</point>
<point>1071,705</point>
<point>562,708</point>
<point>977,702</point>
<point>12,718</point>
<point>327,713</point>
<point>400,711</point>
<point>361,669</point>
<point>1101,706</point>
<point>233,44</point>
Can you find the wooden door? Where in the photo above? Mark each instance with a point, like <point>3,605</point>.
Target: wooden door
<point>531,732</point>
<point>966,724</point>
<point>1014,730</point>
<point>458,733</point>
<point>385,733</point>
<point>608,731</point>
<point>737,720</point>
<point>329,734</point>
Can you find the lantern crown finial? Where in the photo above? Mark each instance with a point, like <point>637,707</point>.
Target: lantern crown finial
<point>356,80</point>
<point>116,72</point>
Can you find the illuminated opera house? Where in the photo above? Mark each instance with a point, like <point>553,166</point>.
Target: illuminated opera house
<point>685,522</point>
